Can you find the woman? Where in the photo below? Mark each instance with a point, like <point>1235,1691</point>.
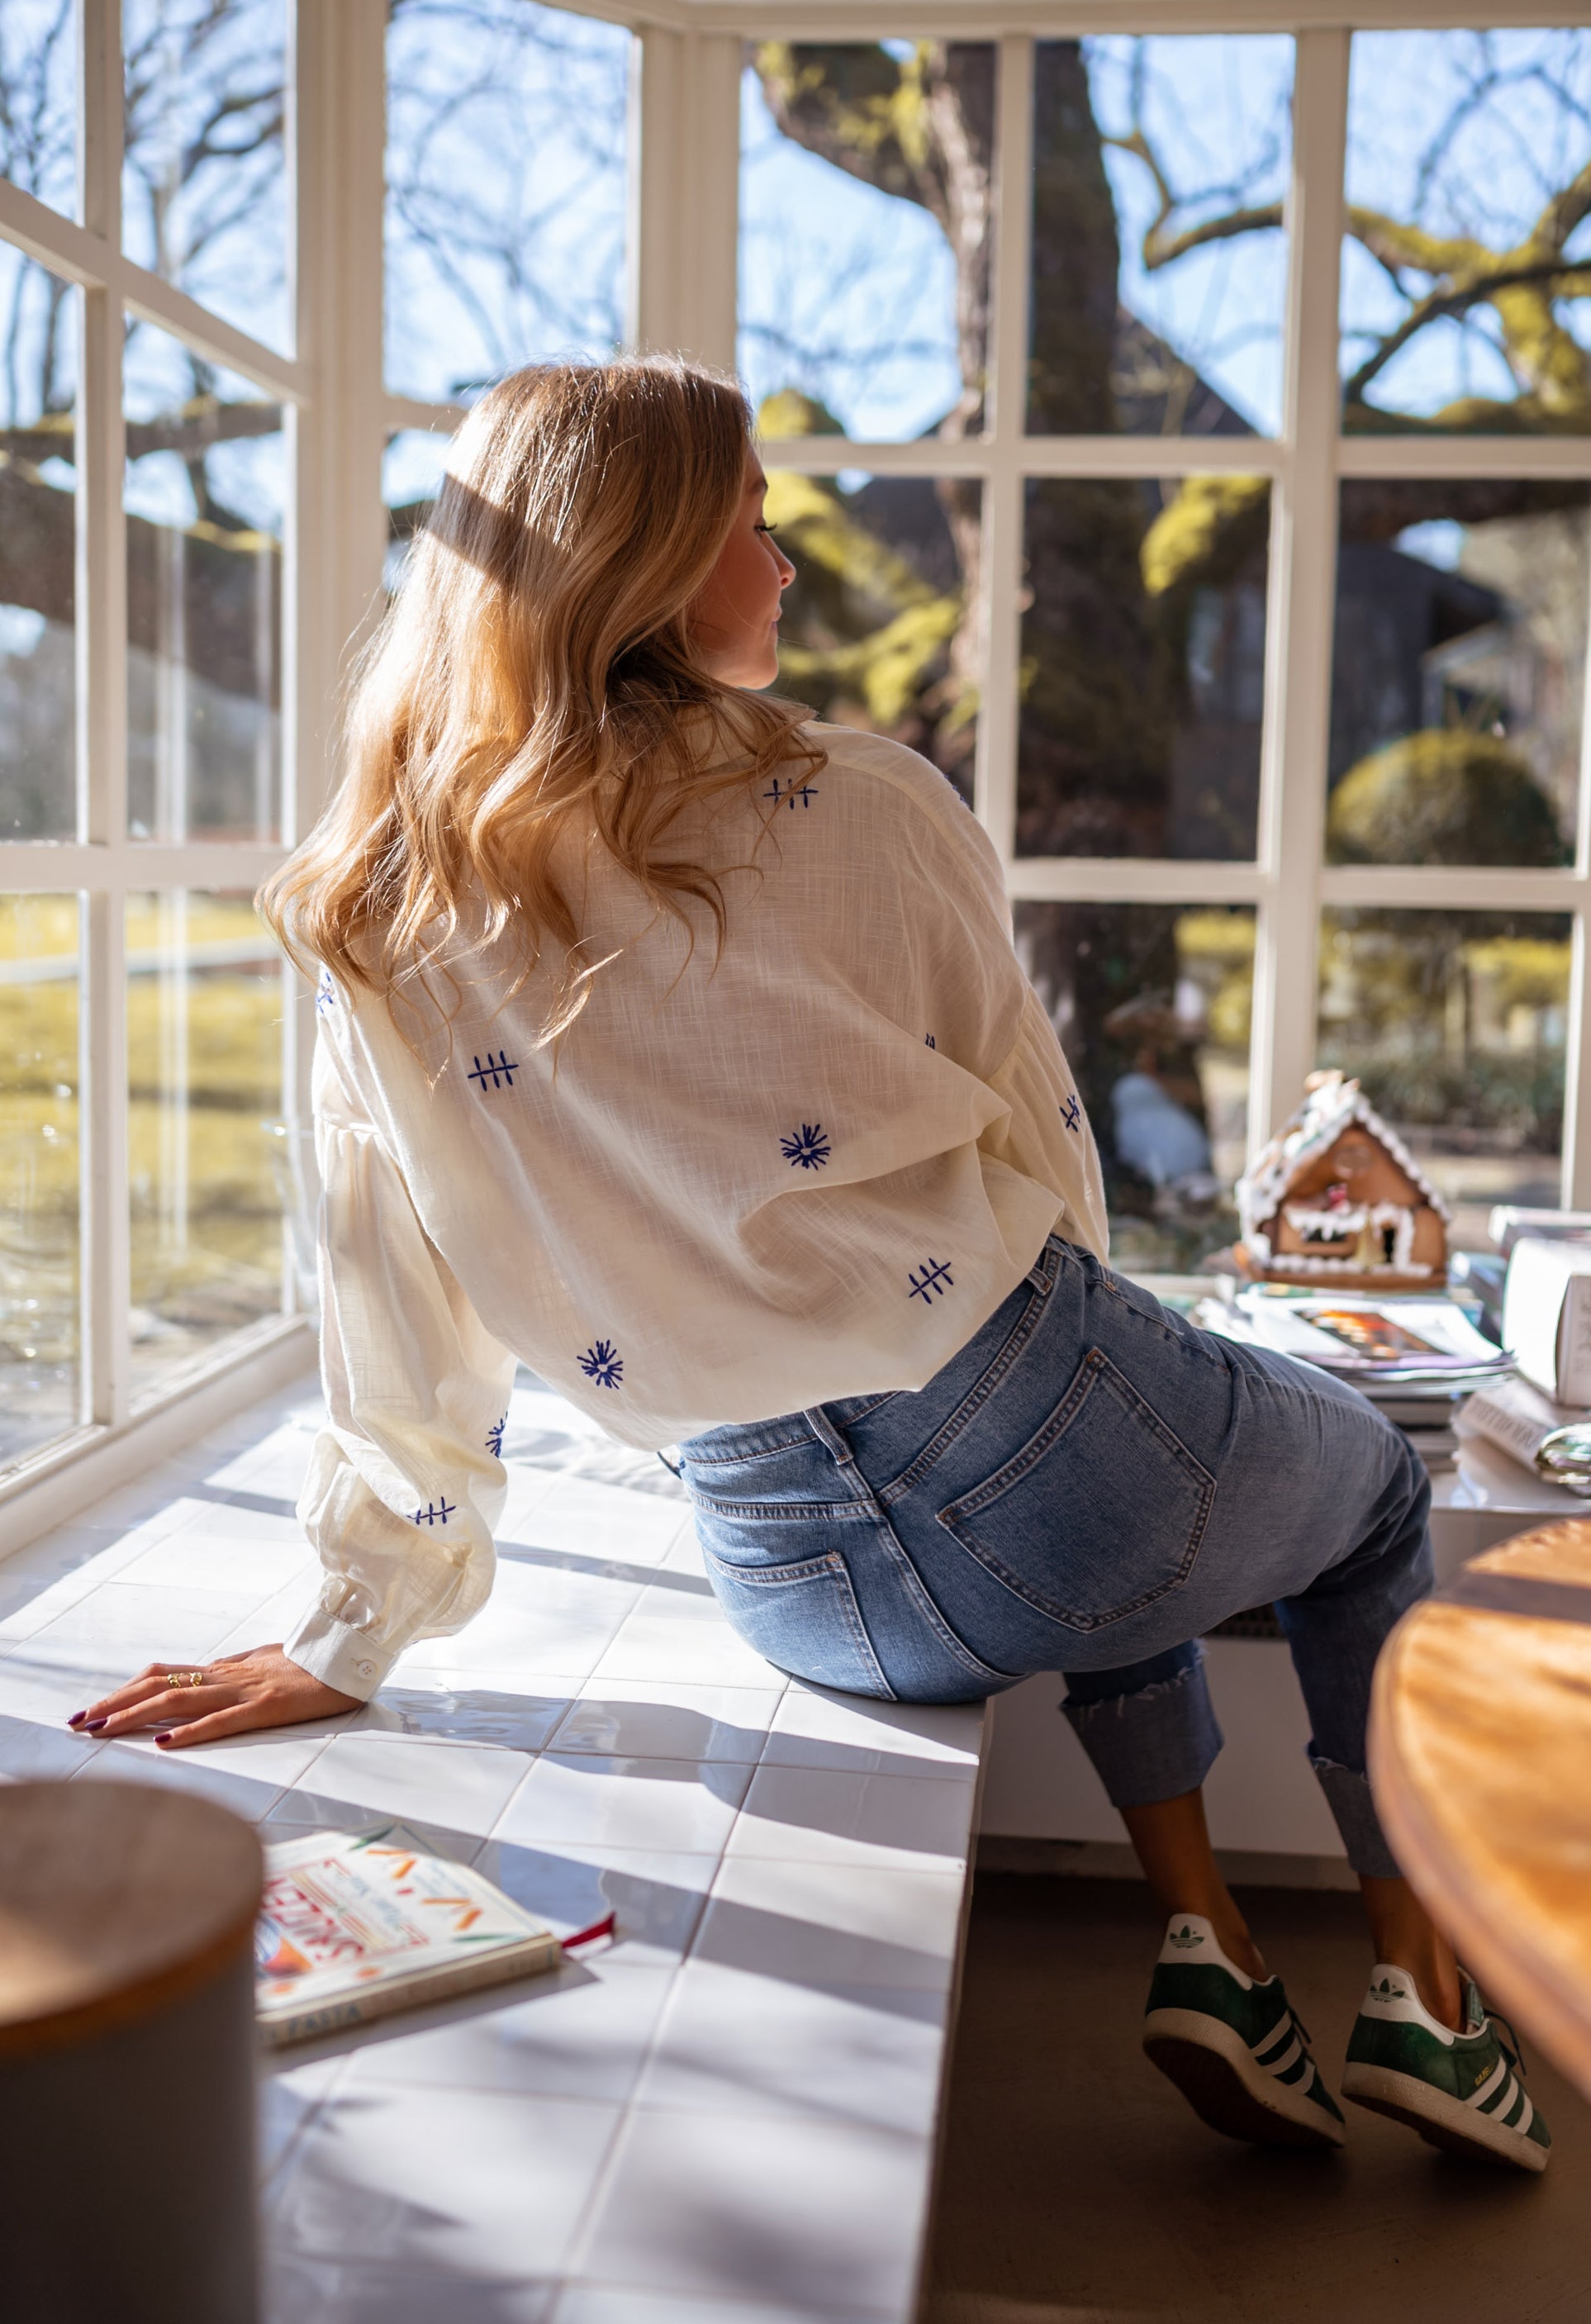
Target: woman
<point>678,1048</point>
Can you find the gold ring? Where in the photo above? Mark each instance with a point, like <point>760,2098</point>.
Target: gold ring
<point>186,1678</point>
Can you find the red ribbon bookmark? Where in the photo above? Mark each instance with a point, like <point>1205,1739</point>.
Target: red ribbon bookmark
<point>589,1936</point>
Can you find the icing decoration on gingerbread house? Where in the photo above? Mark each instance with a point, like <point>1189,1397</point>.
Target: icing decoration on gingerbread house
<point>1336,1197</point>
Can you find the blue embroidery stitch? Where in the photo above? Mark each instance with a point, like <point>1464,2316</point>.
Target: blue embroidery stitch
<point>806,1148</point>
<point>497,1070</point>
<point>494,1438</point>
<point>937,1277</point>
<point>437,1513</point>
<point>1072,1114</point>
<point>929,1042</point>
<point>603,1365</point>
<point>791,792</point>
<point>326,993</point>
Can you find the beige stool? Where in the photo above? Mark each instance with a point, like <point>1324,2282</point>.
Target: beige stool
<point>126,2056</point>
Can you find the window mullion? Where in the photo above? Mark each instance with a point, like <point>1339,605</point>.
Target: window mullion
<point>102,736</point>
<point>1302,587</point>
<point>1005,420</point>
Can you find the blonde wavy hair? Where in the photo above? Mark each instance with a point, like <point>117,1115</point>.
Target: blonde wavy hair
<point>535,676</point>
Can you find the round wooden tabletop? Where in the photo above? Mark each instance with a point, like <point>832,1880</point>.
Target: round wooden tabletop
<point>1480,1756</point>
<point>114,1900</point>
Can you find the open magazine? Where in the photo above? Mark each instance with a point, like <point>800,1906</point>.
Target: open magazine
<point>1384,1341</point>
<point>352,1925</point>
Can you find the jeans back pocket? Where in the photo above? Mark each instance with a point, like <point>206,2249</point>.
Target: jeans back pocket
<point>803,1617</point>
<point>1099,1513</point>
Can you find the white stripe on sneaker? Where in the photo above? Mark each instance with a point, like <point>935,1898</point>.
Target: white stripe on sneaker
<point>1483,2091</point>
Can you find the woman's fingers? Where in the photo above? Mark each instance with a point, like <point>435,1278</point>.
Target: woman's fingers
<point>174,1706</point>
<point>233,1719</point>
<point>153,1681</point>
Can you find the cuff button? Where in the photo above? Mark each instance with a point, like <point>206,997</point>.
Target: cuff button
<point>365,1670</point>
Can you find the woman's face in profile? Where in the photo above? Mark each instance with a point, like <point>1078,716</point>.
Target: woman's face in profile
<point>735,619</point>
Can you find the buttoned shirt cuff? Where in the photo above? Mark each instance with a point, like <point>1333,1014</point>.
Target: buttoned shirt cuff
<point>339,1655</point>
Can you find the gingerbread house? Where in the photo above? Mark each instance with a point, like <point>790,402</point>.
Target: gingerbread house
<point>1336,1198</point>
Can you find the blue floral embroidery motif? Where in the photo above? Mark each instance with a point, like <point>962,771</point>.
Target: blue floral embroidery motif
<point>494,1438</point>
<point>929,1042</point>
<point>935,1279</point>
<point>1072,1114</point>
<point>789,793</point>
<point>604,1364</point>
<point>496,1070</point>
<point>326,993</point>
<point>806,1148</point>
<point>436,1512</point>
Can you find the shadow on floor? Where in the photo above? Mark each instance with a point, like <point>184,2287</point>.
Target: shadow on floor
<point>1078,2188</point>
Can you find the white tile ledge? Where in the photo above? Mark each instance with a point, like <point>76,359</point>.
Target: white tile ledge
<point>729,2117</point>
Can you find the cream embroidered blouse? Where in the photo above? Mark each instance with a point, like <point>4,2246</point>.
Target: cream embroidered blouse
<point>810,1168</point>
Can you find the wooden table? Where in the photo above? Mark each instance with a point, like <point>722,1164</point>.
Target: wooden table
<point>1480,1754</point>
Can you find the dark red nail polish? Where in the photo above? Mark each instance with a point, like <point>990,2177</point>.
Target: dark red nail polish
<point>77,1718</point>
<point>166,1737</point>
<point>94,1725</point>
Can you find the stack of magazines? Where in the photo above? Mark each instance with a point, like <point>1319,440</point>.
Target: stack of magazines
<point>1418,1356</point>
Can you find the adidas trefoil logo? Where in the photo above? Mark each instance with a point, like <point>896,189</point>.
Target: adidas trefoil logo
<point>1185,1939</point>
<point>1387,1991</point>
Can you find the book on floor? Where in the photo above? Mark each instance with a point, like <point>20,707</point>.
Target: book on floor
<point>355,1924</point>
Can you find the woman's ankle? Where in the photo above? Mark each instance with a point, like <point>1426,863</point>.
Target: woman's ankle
<point>1405,1938</point>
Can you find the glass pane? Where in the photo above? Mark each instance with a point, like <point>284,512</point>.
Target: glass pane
<point>204,186</point>
<point>1454,1024</point>
<point>1466,296</point>
<point>412,469</point>
<point>39,99</point>
<point>38,1171</point>
<point>38,548</point>
<point>206,493</point>
<point>865,236</point>
<point>1152,1005</point>
<point>1142,667</point>
<point>507,190</point>
<point>1159,258</point>
<point>204,1039</point>
<point>1458,676</point>
<point>880,627</point>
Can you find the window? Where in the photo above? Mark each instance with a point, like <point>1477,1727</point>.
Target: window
<point>1254,531</point>
<point>1182,437</point>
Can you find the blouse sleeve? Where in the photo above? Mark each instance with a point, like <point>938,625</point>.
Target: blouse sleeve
<point>405,1483</point>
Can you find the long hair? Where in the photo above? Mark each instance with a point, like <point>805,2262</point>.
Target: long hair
<point>535,678</point>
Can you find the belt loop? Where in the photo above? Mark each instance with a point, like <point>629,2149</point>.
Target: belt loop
<point>825,1430</point>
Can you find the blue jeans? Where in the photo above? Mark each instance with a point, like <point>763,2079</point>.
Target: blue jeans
<point>1088,1487</point>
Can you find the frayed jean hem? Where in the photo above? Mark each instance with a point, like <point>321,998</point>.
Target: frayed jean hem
<point>1154,1744</point>
<point>1353,1810</point>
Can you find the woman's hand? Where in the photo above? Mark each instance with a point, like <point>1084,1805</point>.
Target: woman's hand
<point>259,1688</point>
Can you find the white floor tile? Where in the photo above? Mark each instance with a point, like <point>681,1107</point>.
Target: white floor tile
<point>680,1805</point>
<point>658,1898</point>
<point>815,2214</point>
<point>335,2292</point>
<point>540,1615</point>
<point>110,1636</point>
<point>848,1732</point>
<point>578,2034</point>
<point>642,1719</point>
<point>215,1546</point>
<point>476,2182</point>
<point>463,1786</point>
<point>671,1635</point>
<point>735,2043</point>
<point>247,1774</point>
<point>822,1815</point>
<point>489,1708</point>
<point>593,1520</point>
<point>290,2095</point>
<point>598,2303</point>
<point>827,1924</point>
<point>36,1699</point>
<point>742,2044</point>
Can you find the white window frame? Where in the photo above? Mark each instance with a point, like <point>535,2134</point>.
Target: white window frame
<point>685,167</point>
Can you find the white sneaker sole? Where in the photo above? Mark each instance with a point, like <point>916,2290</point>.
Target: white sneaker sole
<point>1440,2119</point>
<point>1210,2063</point>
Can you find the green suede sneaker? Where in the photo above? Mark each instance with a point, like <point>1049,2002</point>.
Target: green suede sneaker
<point>1234,2048</point>
<point>1462,2091</point>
